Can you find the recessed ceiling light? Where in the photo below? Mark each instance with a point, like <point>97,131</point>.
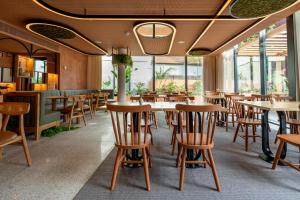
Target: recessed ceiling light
<point>181,42</point>
<point>127,33</point>
<point>99,42</point>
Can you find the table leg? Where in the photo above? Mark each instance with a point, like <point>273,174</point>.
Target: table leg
<point>282,130</point>
<point>267,154</point>
<point>134,152</point>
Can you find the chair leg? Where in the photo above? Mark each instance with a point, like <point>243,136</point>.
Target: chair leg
<point>124,152</point>
<point>148,154</point>
<point>236,132</point>
<point>149,128</point>
<point>1,153</point>
<point>232,118</point>
<point>116,169</point>
<point>226,118</point>
<point>174,140</point>
<point>214,170</point>
<point>246,138</point>
<point>155,119</point>
<point>146,169</point>
<point>182,170</point>
<point>253,133</point>
<point>70,121</point>
<point>83,117</point>
<point>278,153</point>
<point>26,151</point>
<point>178,160</point>
<point>204,158</point>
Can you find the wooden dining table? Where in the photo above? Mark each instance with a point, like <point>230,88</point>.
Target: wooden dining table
<point>168,106</point>
<point>281,108</point>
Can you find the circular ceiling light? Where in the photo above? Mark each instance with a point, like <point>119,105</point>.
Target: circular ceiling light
<point>52,31</point>
<point>257,8</point>
<point>154,30</point>
<point>199,52</point>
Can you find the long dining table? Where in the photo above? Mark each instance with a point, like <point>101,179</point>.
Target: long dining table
<point>281,108</point>
<point>168,106</point>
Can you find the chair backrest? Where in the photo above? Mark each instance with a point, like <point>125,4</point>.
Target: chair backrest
<point>211,93</point>
<point>77,101</point>
<point>237,107</point>
<point>130,124</point>
<point>177,98</point>
<point>8,109</point>
<point>149,98</point>
<point>197,130</point>
<point>260,97</point>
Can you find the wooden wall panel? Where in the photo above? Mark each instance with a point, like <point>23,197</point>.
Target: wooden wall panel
<point>73,69</point>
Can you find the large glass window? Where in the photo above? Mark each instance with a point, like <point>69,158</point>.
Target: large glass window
<point>228,71</point>
<point>195,75</point>
<point>40,68</point>
<point>142,74</point>
<point>108,74</point>
<point>248,68</point>
<point>169,74</point>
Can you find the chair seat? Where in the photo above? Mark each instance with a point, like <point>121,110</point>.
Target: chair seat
<point>293,121</point>
<point>7,136</point>
<point>129,142</point>
<point>290,138</point>
<point>250,121</point>
<point>192,139</point>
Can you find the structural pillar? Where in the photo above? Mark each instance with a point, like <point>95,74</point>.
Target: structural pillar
<point>263,62</point>
<point>293,42</point>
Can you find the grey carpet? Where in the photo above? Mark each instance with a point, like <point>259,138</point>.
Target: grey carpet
<point>242,174</point>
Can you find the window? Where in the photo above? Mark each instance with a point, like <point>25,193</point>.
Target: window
<point>248,69</point>
<point>142,74</point>
<point>169,74</point>
<point>40,68</point>
<point>108,77</point>
<point>195,75</point>
<point>228,70</point>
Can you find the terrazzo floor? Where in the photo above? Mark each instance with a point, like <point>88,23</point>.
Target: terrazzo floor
<point>61,164</point>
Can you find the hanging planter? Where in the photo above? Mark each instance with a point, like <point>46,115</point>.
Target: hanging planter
<point>199,52</point>
<point>122,59</point>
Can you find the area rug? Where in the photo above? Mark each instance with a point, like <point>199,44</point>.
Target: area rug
<point>243,175</point>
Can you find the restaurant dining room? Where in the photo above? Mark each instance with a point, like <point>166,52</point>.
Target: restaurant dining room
<point>140,99</point>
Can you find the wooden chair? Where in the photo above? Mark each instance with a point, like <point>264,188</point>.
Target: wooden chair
<point>88,104</point>
<point>76,111</point>
<point>246,118</point>
<point>8,137</point>
<point>229,111</point>
<point>172,119</point>
<point>199,138</point>
<point>100,101</point>
<point>153,115</point>
<point>136,138</point>
<point>292,139</point>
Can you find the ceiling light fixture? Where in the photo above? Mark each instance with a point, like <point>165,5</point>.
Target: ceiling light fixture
<point>155,38</point>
